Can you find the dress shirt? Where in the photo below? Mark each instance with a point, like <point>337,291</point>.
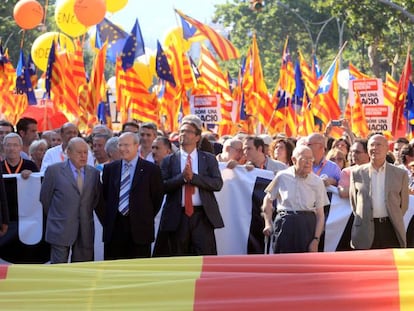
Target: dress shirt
<point>294,193</point>
<point>379,208</point>
<point>75,171</point>
<point>132,166</point>
<point>194,166</point>
<point>56,154</point>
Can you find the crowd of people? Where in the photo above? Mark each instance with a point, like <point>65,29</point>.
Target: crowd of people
<point>127,177</point>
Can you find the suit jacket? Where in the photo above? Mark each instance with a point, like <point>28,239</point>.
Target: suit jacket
<point>207,180</point>
<point>4,208</point>
<point>396,200</point>
<point>69,212</point>
<point>145,199</point>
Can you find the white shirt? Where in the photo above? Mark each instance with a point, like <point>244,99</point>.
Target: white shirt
<point>379,208</point>
<point>149,156</point>
<point>56,155</point>
<point>194,166</point>
<point>294,193</point>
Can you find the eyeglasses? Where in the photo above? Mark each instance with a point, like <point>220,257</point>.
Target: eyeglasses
<point>310,144</point>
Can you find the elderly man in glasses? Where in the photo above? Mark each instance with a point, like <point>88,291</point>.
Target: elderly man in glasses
<point>301,197</point>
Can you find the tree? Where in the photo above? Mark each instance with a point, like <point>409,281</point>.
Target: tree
<point>272,25</point>
<point>377,34</point>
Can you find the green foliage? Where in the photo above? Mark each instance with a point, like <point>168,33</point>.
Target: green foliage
<point>377,35</point>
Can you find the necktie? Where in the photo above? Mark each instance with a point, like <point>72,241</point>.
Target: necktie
<point>79,180</point>
<point>188,194</point>
<point>124,190</point>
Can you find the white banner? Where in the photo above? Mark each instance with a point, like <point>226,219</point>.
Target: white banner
<point>237,200</point>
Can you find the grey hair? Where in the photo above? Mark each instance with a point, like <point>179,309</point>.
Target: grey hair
<point>75,140</point>
<point>111,145</point>
<point>299,150</point>
<point>36,143</point>
<point>13,135</point>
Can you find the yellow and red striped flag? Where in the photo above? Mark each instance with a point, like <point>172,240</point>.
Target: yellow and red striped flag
<point>214,80</point>
<point>97,83</point>
<point>398,120</point>
<point>366,280</point>
<point>325,103</point>
<point>359,122</point>
<point>223,47</point>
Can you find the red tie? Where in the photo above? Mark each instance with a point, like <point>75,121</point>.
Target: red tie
<point>188,194</point>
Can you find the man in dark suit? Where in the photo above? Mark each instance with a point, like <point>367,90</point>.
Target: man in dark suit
<point>133,192</point>
<point>191,212</point>
<point>70,192</point>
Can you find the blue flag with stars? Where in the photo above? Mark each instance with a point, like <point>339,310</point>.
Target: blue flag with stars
<point>162,67</point>
<point>133,48</point>
<point>23,82</point>
<point>115,36</point>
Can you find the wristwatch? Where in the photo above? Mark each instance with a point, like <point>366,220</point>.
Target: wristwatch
<point>316,238</point>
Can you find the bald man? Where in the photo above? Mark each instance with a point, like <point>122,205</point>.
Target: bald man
<point>379,199</point>
<point>69,194</point>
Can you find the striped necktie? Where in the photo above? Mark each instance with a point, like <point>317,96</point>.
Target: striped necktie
<point>124,190</point>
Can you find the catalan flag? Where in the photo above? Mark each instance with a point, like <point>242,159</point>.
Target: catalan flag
<point>223,47</point>
<point>325,103</point>
<point>359,121</point>
<point>398,122</point>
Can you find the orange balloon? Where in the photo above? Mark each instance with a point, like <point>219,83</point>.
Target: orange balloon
<point>90,12</point>
<point>28,14</point>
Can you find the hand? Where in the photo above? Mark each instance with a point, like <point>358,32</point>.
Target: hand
<point>313,246</point>
<point>345,124</point>
<point>4,228</point>
<point>188,172</point>
<point>268,230</point>
<point>26,174</point>
<point>249,167</point>
<point>232,164</point>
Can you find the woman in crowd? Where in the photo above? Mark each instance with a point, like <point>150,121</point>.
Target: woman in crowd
<point>338,156</point>
<point>281,149</point>
<point>37,151</point>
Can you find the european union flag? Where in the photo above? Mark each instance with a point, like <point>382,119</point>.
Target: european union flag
<point>115,36</point>
<point>23,82</point>
<point>133,48</point>
<point>162,66</point>
<point>50,62</point>
<point>300,85</point>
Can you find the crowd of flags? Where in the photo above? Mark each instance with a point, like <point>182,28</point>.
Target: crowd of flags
<point>303,101</point>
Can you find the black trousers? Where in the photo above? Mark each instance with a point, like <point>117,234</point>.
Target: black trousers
<point>293,232</point>
<point>385,236</point>
<point>194,236</point>
<point>122,246</point>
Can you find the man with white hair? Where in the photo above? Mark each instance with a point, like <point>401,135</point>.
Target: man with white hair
<point>232,152</point>
<point>301,197</point>
<point>58,153</point>
<point>378,195</point>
